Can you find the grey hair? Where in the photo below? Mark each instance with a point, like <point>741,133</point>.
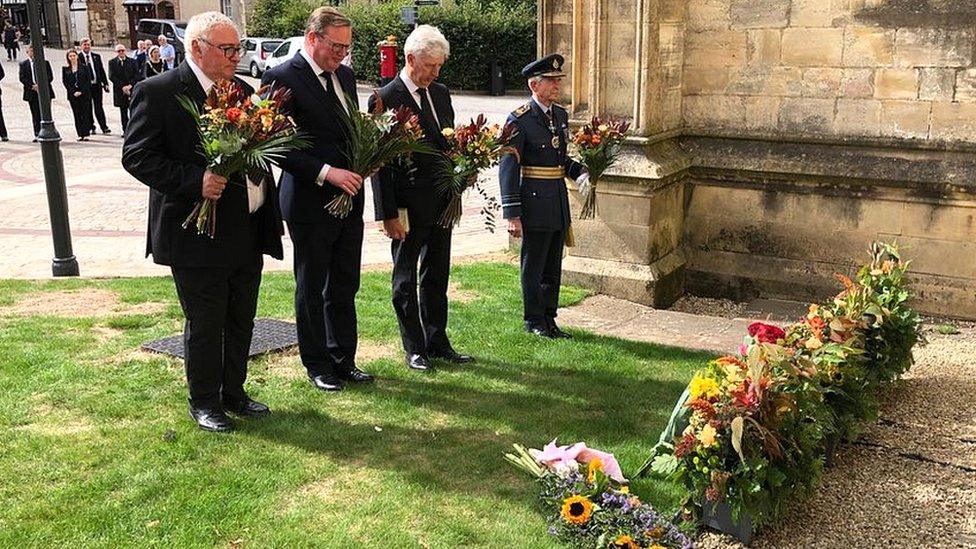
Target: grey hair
<point>203,24</point>
<point>427,41</point>
<point>535,79</point>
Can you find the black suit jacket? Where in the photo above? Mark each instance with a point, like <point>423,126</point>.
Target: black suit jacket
<point>302,201</point>
<point>76,81</point>
<point>413,184</point>
<point>162,150</point>
<point>122,73</point>
<point>97,68</point>
<point>1,77</point>
<point>27,79</point>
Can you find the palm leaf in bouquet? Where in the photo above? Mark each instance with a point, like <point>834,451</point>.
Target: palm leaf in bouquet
<point>598,146</point>
<point>376,139</point>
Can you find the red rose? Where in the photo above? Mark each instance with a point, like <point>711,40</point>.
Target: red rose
<point>766,333</point>
<point>233,114</point>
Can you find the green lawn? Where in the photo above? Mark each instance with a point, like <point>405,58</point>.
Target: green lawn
<point>98,449</point>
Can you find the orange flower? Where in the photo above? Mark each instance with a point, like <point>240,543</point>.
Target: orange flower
<point>596,464</point>
<point>577,510</point>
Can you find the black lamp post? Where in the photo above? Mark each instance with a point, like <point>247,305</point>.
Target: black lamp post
<point>64,263</point>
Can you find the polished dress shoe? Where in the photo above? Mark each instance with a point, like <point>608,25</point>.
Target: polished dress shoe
<point>326,382</point>
<point>451,355</point>
<point>539,330</point>
<point>418,362</point>
<point>212,419</point>
<point>247,408</point>
<point>556,332</point>
<point>355,375</point>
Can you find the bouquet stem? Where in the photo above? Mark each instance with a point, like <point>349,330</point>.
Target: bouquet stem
<point>452,213</point>
<point>588,210</point>
<point>340,206</point>
<point>203,217</point>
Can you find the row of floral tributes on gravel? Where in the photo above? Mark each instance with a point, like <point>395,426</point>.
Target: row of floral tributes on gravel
<point>752,432</point>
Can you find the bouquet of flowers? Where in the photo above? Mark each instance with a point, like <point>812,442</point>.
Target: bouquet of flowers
<point>588,502</point>
<point>474,147</point>
<point>376,139</point>
<point>598,146</point>
<point>240,134</point>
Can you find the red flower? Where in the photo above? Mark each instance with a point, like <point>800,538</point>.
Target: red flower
<point>766,333</point>
<point>685,446</point>
<point>234,114</point>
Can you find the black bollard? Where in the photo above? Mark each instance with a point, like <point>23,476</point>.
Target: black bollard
<point>64,263</point>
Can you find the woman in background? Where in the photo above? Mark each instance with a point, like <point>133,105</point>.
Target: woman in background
<point>155,64</point>
<point>77,81</point>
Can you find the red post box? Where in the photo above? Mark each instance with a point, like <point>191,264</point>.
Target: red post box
<point>388,64</point>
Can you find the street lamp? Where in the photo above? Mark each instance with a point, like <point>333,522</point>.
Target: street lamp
<point>64,263</point>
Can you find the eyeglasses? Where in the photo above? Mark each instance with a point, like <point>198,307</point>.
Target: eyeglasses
<point>336,46</point>
<point>229,51</point>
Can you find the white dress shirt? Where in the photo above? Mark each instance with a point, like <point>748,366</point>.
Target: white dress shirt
<point>320,180</point>
<point>412,88</point>
<point>91,66</point>
<point>255,193</point>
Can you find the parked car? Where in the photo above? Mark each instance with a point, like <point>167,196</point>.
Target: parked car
<point>256,53</point>
<point>284,52</point>
<point>174,31</point>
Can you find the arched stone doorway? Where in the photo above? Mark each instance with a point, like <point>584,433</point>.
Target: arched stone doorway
<point>165,10</point>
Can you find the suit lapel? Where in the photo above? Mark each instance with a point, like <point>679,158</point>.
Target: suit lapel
<point>314,83</point>
<point>191,86</point>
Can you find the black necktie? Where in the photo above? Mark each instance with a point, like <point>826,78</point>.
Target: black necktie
<point>426,110</point>
<point>329,86</point>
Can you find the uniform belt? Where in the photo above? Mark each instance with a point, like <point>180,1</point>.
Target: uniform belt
<point>543,172</point>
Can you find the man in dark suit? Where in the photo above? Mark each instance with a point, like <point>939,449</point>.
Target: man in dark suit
<point>328,250</point>
<point>28,79</point>
<point>3,127</point>
<point>534,197</point>
<point>217,279</point>
<point>99,83</point>
<point>142,54</point>
<point>413,186</point>
<point>124,73</point>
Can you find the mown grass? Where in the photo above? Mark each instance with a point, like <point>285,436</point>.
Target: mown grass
<point>98,451</point>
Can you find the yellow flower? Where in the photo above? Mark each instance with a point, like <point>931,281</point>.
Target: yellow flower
<point>656,546</point>
<point>707,435</point>
<point>625,541</point>
<point>813,344</point>
<point>577,510</point>
<point>625,489</point>
<point>596,464</point>
<point>447,132</point>
<point>703,387</point>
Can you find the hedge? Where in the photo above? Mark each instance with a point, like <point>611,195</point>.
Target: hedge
<point>478,33</point>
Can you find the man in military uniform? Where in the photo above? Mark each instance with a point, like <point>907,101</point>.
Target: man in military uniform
<point>534,197</point>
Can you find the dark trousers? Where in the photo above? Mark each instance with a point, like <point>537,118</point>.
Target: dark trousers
<point>35,109</point>
<point>327,267</point>
<point>96,101</point>
<point>3,127</point>
<point>124,111</point>
<point>423,322</point>
<point>11,53</point>
<point>81,109</point>
<point>219,305</point>
<point>542,264</point>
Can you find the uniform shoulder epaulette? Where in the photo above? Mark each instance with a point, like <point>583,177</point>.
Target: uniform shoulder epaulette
<point>522,110</point>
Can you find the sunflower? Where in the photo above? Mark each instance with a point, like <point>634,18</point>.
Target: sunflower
<point>625,541</point>
<point>577,510</point>
<point>596,464</point>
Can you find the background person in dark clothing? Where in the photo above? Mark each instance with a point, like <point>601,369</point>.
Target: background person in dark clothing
<point>154,63</point>
<point>10,42</point>
<point>3,127</point>
<point>99,83</point>
<point>123,72</point>
<point>28,79</point>
<point>77,82</point>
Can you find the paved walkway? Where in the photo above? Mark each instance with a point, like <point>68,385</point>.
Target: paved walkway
<point>108,208</point>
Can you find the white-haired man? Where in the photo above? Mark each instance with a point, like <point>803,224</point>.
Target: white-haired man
<point>413,186</point>
<point>327,249</point>
<point>167,51</point>
<point>217,279</point>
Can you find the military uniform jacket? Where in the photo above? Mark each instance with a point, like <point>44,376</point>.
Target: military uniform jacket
<point>541,203</point>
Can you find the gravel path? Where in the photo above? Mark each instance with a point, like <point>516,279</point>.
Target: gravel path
<point>910,480</point>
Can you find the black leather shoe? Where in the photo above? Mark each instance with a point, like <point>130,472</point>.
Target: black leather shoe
<point>247,408</point>
<point>212,419</point>
<point>556,332</point>
<point>326,382</point>
<point>106,131</point>
<point>355,375</point>
<point>418,362</point>
<point>539,330</point>
<point>452,356</point>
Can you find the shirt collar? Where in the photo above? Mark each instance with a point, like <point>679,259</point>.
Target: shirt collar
<point>411,86</point>
<point>205,83</point>
<point>311,62</point>
<point>541,107</point>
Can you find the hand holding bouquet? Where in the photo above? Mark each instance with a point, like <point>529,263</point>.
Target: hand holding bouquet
<point>598,146</point>
<point>375,140</point>
<point>587,500</point>
<point>240,134</point>
<point>474,147</point>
